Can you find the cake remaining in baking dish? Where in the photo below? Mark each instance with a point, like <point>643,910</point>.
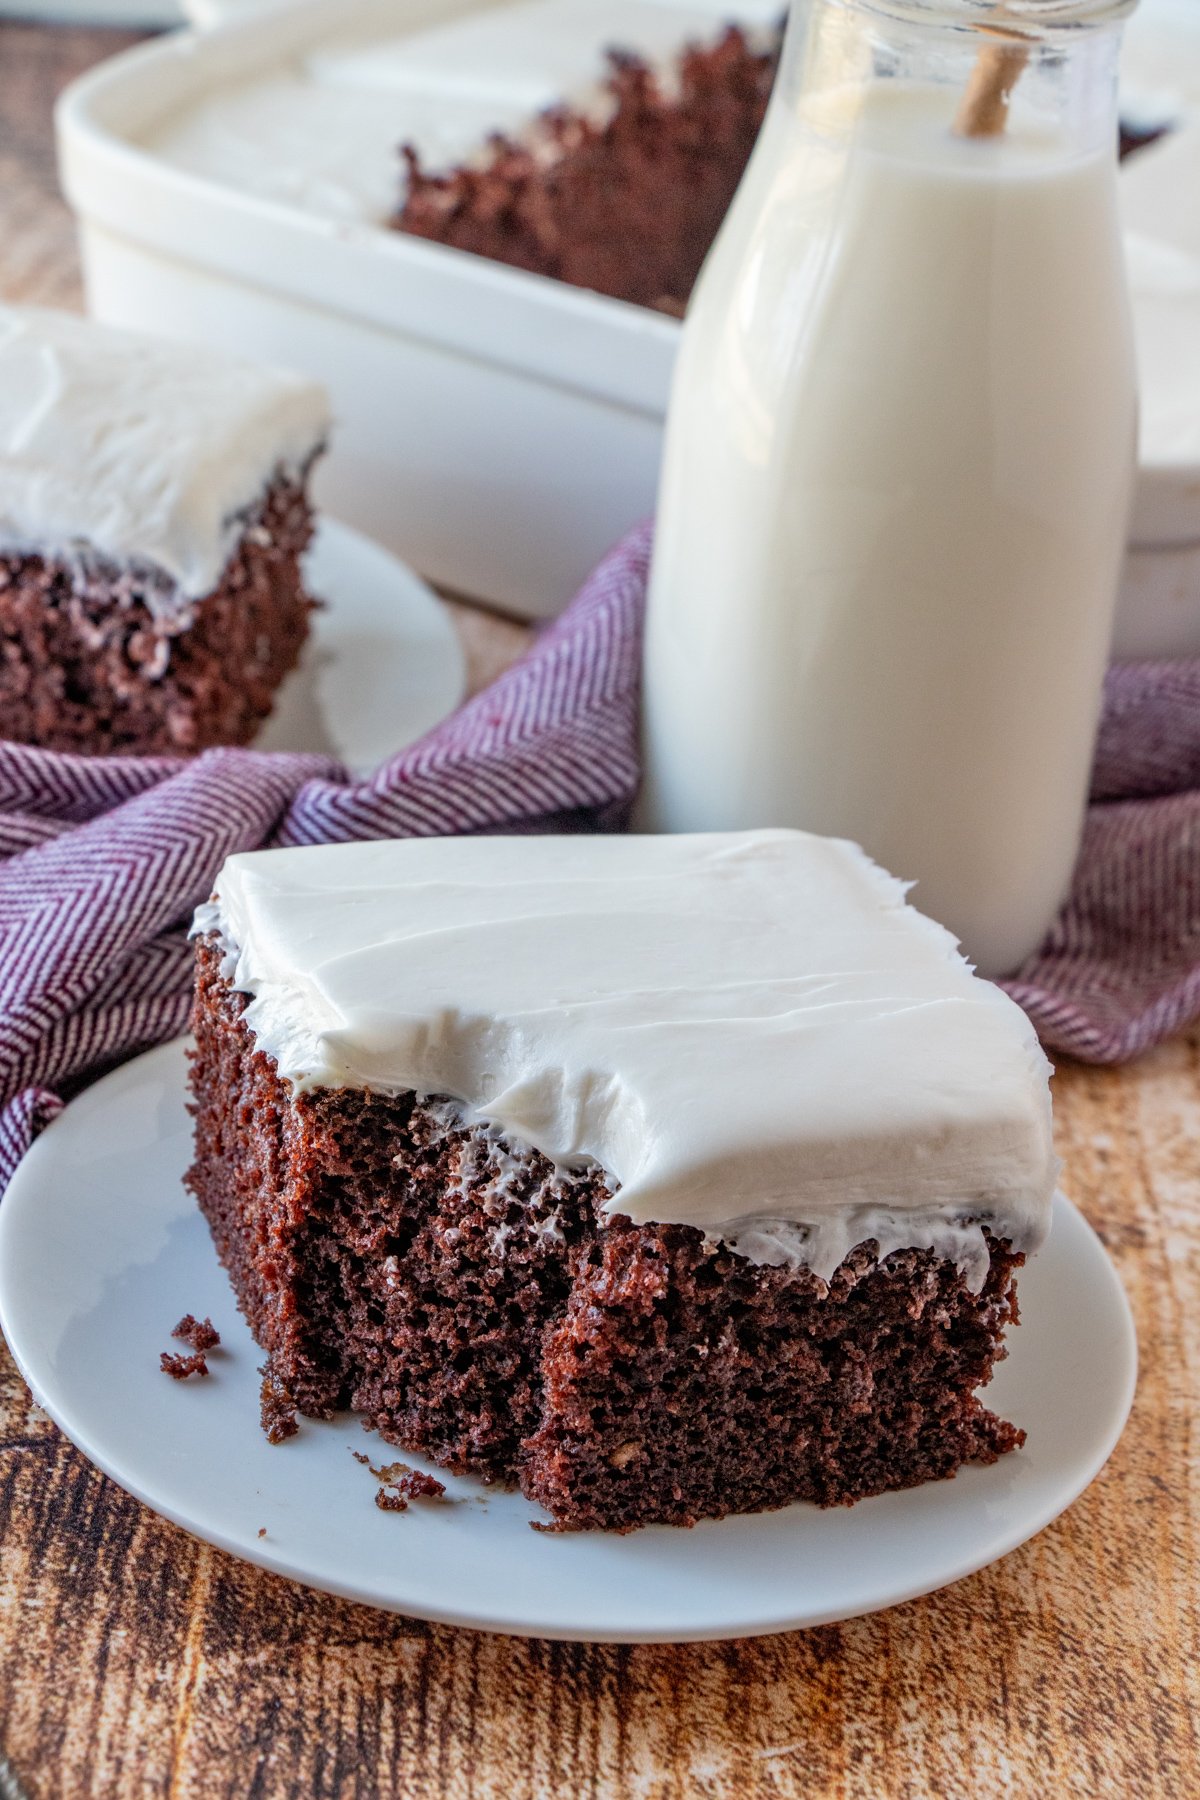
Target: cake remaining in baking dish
<point>666,1177</point>
<point>626,198</point>
<point>153,513</point>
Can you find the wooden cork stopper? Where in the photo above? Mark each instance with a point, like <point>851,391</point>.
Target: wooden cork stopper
<point>983,109</point>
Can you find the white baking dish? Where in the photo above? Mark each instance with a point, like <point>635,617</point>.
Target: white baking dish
<point>497,429</point>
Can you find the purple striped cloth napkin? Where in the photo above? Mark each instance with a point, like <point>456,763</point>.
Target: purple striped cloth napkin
<point>102,860</point>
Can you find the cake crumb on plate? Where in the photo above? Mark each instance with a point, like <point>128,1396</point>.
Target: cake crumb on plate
<point>201,1334</point>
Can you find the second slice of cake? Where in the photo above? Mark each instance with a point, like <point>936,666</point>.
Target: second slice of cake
<point>153,514</point>
<point>667,1177</point>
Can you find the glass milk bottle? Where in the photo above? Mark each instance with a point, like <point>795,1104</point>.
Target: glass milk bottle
<point>898,460</point>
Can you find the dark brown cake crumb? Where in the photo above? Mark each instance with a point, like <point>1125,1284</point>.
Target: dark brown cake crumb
<point>416,1485</point>
<point>180,1367</point>
<point>262,1531</point>
<point>400,1483</point>
<point>201,1334</point>
<point>388,1501</point>
<point>413,1484</point>
<point>626,205</point>
<point>278,1409</point>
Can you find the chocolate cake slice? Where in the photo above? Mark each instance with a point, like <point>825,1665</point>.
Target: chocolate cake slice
<point>153,514</point>
<point>663,1177</point>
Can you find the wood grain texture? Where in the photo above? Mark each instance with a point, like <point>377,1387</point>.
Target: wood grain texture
<point>37,262</point>
<point>135,1662</point>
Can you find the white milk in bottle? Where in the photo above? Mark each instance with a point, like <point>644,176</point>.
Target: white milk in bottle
<point>898,463</point>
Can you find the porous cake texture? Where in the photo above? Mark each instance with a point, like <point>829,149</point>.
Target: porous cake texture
<point>488,1305</point>
<point>90,665</point>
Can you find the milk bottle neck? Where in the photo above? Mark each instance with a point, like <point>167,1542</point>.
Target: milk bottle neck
<point>1066,52</point>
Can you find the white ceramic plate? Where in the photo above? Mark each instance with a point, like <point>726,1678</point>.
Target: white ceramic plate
<point>101,1251</point>
<point>382,663</point>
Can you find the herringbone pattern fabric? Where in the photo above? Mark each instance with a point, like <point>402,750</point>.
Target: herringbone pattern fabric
<point>103,860</point>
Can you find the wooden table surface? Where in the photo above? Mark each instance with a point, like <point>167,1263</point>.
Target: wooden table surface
<point>136,1662</point>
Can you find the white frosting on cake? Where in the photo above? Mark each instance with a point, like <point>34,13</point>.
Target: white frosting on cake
<point>139,450</point>
<point>328,150</point>
<point>532,55</point>
<point>752,1033</point>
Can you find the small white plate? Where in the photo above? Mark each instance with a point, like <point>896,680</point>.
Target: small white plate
<point>101,1251</point>
<point>382,664</point>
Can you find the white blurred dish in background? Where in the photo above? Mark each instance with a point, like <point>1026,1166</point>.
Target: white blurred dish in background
<point>497,428</point>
